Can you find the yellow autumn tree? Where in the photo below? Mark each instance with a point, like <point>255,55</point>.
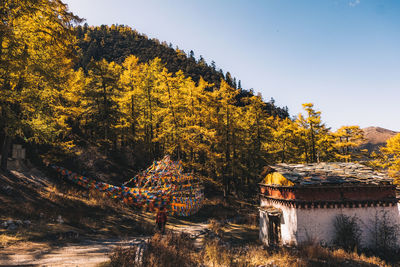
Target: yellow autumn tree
<point>130,102</point>
<point>36,44</point>
<point>316,140</point>
<point>286,141</point>
<point>255,131</point>
<point>391,155</point>
<point>348,140</point>
<point>100,101</point>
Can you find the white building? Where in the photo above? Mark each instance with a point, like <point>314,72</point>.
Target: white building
<point>300,203</point>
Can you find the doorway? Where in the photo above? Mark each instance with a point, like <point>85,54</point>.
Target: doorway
<point>274,229</point>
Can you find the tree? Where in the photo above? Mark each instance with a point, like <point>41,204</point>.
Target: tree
<point>131,100</point>
<point>348,139</point>
<point>391,155</point>
<point>36,44</point>
<point>228,79</point>
<point>255,126</point>
<point>315,134</point>
<point>100,95</point>
<point>285,141</point>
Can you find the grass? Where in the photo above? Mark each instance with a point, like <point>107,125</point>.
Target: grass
<point>178,250</point>
<point>170,250</point>
<point>9,239</point>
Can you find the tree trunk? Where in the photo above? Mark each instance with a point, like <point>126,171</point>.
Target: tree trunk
<point>313,144</point>
<point>4,152</point>
<point>151,121</point>
<point>133,128</point>
<point>105,115</point>
<point>227,153</point>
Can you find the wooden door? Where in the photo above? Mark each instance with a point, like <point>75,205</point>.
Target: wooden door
<point>274,230</point>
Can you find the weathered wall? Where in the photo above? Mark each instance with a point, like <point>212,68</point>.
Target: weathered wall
<point>263,233</point>
<point>318,223</point>
<point>346,193</point>
<point>300,225</point>
<point>330,193</point>
<point>279,193</point>
<point>288,223</point>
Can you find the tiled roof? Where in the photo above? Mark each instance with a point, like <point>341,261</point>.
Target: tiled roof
<point>331,174</point>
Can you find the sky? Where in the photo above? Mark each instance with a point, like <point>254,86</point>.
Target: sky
<point>341,55</point>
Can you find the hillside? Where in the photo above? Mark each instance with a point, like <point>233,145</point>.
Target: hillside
<point>116,43</point>
<point>376,137</point>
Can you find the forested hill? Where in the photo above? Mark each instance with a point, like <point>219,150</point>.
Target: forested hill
<point>115,43</point>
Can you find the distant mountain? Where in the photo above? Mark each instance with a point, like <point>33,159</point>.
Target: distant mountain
<point>376,137</point>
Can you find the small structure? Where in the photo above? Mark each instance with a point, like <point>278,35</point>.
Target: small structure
<point>18,152</point>
<point>300,202</point>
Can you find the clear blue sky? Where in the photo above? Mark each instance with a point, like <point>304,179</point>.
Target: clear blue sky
<point>341,55</point>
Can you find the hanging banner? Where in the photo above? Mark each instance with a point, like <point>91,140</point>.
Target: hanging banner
<point>162,184</point>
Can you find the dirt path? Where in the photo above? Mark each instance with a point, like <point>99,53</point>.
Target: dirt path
<point>85,253</point>
<point>195,230</point>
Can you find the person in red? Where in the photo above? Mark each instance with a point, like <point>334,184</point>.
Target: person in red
<point>161,219</point>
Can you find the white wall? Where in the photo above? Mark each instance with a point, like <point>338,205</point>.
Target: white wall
<point>288,223</point>
<point>317,224</point>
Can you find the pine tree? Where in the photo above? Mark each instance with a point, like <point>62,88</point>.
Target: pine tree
<point>131,101</point>
<point>314,133</point>
<point>101,94</point>
<point>224,109</point>
<point>348,139</point>
<point>391,156</point>
<point>285,141</point>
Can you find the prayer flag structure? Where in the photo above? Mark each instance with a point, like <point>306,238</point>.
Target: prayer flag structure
<point>164,183</point>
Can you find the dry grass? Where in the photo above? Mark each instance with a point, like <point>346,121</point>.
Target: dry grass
<point>215,226</point>
<point>216,254</point>
<point>170,250</point>
<point>178,250</point>
<point>8,239</point>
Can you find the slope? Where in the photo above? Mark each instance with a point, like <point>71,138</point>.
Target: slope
<point>376,137</point>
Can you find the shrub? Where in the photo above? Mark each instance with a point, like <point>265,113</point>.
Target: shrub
<point>384,236</point>
<point>347,232</point>
<point>124,257</point>
<point>215,227</point>
<point>215,254</point>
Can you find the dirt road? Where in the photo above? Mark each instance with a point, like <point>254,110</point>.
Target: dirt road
<point>85,253</point>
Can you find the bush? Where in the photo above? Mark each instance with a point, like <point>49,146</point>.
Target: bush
<point>384,236</point>
<point>124,257</point>
<point>215,227</point>
<point>347,232</point>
